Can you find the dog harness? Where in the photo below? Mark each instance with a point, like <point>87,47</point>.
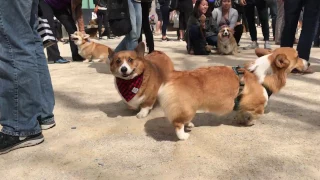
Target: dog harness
<point>129,88</point>
<point>238,98</point>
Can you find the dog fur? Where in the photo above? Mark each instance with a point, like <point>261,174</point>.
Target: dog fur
<point>226,42</point>
<point>155,68</point>
<point>89,49</point>
<point>214,89</point>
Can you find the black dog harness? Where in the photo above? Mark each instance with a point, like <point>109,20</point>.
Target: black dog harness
<point>238,98</point>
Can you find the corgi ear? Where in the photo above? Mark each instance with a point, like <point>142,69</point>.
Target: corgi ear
<point>86,36</point>
<point>111,54</point>
<point>281,61</point>
<point>140,49</point>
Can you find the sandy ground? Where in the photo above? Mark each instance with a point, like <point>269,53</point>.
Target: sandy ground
<point>96,137</point>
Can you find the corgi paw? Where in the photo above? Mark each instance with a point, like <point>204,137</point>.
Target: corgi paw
<point>143,113</point>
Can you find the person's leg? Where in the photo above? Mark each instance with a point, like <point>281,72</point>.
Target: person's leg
<point>165,16</point>
<point>272,4</point>
<point>212,40</point>
<point>238,30</point>
<point>316,41</point>
<point>159,22</point>
<point>65,17</point>
<point>20,88</point>
<point>279,22</point>
<point>47,13</point>
<point>146,26</point>
<point>249,12</point>
<point>107,31</point>
<point>130,41</point>
<point>197,43</point>
<point>292,11</point>
<point>310,20</point>
<point>263,16</point>
<point>99,19</point>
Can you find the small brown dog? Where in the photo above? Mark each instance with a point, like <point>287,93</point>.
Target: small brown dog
<point>226,42</point>
<point>89,49</point>
<point>138,77</point>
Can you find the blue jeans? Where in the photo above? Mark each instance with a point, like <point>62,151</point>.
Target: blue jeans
<point>26,94</point>
<point>130,41</point>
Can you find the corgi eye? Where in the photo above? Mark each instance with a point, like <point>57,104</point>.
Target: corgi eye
<point>118,61</point>
<point>130,60</point>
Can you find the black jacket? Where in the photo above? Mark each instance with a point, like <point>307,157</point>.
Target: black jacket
<point>101,3</point>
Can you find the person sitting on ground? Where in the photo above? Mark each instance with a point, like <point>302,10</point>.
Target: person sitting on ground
<point>198,35</point>
<point>225,15</point>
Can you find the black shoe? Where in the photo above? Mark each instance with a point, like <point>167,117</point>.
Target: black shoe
<point>9,143</point>
<point>47,125</point>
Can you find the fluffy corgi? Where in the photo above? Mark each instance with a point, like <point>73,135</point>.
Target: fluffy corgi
<point>216,89</point>
<point>89,49</point>
<point>226,42</point>
<point>138,77</point>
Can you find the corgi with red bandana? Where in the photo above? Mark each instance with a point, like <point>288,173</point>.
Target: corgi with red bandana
<point>138,77</point>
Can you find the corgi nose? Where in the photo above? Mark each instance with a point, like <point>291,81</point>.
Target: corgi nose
<point>124,69</point>
<point>308,64</point>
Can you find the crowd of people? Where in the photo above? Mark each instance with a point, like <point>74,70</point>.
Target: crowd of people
<point>26,93</point>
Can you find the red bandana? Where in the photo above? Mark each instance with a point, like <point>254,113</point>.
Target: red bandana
<point>129,88</point>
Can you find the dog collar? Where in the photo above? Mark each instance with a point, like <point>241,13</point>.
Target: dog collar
<point>129,88</point>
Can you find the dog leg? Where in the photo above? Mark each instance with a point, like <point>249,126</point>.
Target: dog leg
<point>144,112</point>
<point>182,135</point>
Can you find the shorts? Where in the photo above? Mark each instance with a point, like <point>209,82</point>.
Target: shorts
<point>159,14</point>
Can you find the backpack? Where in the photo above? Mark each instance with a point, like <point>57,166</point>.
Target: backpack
<point>119,17</point>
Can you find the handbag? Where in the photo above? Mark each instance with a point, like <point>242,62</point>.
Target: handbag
<point>46,33</point>
<point>119,17</point>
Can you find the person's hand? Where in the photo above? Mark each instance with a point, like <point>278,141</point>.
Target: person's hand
<point>203,21</point>
<point>243,2</point>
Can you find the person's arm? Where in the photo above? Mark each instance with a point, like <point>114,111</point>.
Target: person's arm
<point>234,18</point>
<point>79,17</point>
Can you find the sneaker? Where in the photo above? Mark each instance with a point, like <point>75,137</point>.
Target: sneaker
<point>267,45</point>
<point>61,61</point>
<point>47,125</point>
<point>253,45</point>
<point>9,143</point>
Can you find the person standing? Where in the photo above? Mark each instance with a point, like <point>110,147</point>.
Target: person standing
<point>145,6</point>
<point>311,17</point>
<point>68,12</point>
<point>261,5</point>
<point>185,9</point>
<point>26,94</point>
<point>101,11</point>
<point>130,41</point>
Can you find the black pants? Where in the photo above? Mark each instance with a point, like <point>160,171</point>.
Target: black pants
<point>311,15</point>
<point>272,4</point>
<point>58,29</point>
<point>103,19</point>
<point>165,18</point>
<point>316,41</point>
<point>65,17</point>
<point>197,42</point>
<point>238,30</point>
<point>146,26</point>
<point>263,16</point>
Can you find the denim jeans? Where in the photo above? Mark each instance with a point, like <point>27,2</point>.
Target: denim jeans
<point>130,41</point>
<point>26,93</point>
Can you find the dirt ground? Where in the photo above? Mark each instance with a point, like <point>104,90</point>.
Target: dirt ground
<point>97,137</point>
